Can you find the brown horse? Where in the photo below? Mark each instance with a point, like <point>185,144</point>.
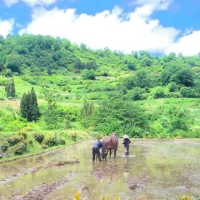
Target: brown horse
<point>111,143</point>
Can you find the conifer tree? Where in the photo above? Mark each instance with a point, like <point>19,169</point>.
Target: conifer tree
<point>10,89</point>
<point>24,108</point>
<point>34,110</point>
<point>29,106</point>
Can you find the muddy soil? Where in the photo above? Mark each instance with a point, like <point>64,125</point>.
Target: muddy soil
<point>155,169</point>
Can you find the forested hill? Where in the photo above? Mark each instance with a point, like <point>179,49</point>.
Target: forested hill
<point>138,94</point>
<point>45,55</point>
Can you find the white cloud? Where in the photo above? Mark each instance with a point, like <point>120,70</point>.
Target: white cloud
<point>187,45</point>
<point>155,4</point>
<point>31,3</point>
<point>116,30</point>
<point>10,2</point>
<point>6,27</point>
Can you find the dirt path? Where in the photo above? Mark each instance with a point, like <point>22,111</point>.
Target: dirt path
<point>14,104</point>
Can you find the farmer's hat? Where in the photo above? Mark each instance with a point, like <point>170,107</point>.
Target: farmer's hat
<point>125,136</point>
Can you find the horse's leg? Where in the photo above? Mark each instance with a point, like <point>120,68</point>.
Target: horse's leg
<point>105,154</point>
<point>110,153</point>
<point>115,150</point>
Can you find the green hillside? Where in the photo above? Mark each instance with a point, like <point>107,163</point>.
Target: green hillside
<point>82,93</point>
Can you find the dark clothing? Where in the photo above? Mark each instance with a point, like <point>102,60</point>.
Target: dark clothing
<point>99,144</point>
<point>95,149</point>
<point>126,142</point>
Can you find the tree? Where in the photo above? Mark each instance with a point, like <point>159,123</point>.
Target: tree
<point>24,106</point>
<point>52,115</point>
<point>172,87</point>
<point>35,114</point>
<point>124,116</point>
<point>29,106</point>
<point>142,79</point>
<point>87,113</point>
<point>158,92</point>
<point>146,62</point>
<point>187,92</point>
<point>131,66</point>
<point>2,67</point>
<point>13,62</point>
<point>138,94</point>
<point>185,77</point>
<point>10,89</point>
<point>88,74</point>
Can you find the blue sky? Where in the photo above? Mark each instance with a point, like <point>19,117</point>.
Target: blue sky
<point>158,26</point>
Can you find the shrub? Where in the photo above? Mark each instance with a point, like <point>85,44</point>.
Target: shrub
<point>138,94</point>
<point>74,137</point>
<point>13,140</point>
<point>44,146</point>
<point>50,141</point>
<point>33,82</point>
<point>4,146</point>
<point>30,142</point>
<point>173,95</point>
<point>158,93</point>
<point>19,148</point>
<point>39,137</point>
<point>187,92</point>
<point>62,142</point>
<point>105,74</point>
<point>88,74</point>
<point>24,135</point>
<point>26,129</point>
<point>62,83</point>
<point>172,87</point>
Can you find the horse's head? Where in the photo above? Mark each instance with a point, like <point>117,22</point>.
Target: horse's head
<point>113,133</point>
<point>104,153</point>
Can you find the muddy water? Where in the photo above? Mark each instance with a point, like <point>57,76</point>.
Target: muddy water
<point>155,169</point>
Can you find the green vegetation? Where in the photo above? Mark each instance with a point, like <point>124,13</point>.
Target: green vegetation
<point>29,106</point>
<point>77,196</point>
<point>10,89</point>
<point>50,87</point>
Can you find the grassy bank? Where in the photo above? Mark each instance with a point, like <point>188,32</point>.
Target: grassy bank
<point>25,143</point>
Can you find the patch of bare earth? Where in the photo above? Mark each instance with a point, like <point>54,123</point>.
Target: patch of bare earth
<point>14,104</point>
<point>137,182</point>
<point>40,193</point>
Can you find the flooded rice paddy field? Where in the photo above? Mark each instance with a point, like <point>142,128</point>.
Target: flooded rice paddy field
<point>155,170</point>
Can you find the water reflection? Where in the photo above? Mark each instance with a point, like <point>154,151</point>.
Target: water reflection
<point>39,159</point>
<point>105,170</point>
<point>160,170</point>
<point>126,167</point>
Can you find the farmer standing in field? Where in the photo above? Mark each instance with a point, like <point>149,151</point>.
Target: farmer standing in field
<point>126,143</point>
